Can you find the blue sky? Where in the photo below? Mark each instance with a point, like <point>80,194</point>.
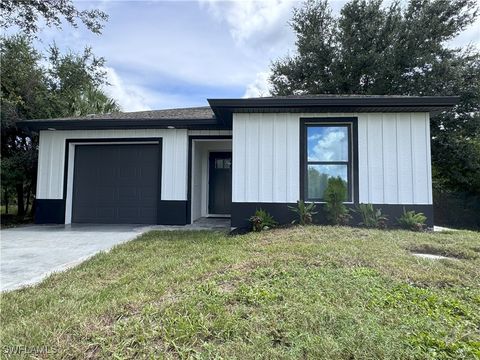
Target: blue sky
<point>164,54</point>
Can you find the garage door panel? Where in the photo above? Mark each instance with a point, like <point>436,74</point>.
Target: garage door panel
<point>144,196</point>
<point>116,183</point>
<point>104,214</point>
<point>104,194</point>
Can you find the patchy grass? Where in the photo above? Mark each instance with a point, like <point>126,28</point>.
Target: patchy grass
<point>305,292</point>
<point>12,209</point>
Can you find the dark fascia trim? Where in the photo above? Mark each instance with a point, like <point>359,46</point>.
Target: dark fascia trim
<point>334,101</point>
<point>224,108</point>
<point>106,141</point>
<point>189,172</point>
<point>353,172</point>
<point>103,124</point>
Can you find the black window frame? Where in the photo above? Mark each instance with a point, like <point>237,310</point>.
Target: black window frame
<point>352,162</point>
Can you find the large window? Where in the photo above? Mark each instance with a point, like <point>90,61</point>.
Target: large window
<point>328,154</point>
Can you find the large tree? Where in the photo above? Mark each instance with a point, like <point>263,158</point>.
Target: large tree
<point>34,86</point>
<point>38,85</point>
<point>377,49</point>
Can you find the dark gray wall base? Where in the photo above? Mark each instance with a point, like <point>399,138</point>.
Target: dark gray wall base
<point>241,212</point>
<point>49,211</point>
<point>283,215</point>
<point>395,211</point>
<point>172,212</point>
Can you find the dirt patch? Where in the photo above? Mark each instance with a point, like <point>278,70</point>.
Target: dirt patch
<point>439,252</point>
<point>433,256</point>
<point>227,287</point>
<point>167,299</point>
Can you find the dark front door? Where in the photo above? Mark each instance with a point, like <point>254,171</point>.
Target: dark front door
<point>115,184</point>
<point>220,184</point>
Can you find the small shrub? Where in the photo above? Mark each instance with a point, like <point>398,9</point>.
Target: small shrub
<point>412,220</point>
<point>304,212</point>
<point>371,217</point>
<point>262,220</point>
<point>335,194</point>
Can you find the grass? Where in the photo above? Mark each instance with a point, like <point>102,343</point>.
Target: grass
<point>12,209</point>
<point>305,292</point>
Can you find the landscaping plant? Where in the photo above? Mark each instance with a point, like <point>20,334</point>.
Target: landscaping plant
<point>335,194</point>
<point>262,220</point>
<point>304,212</point>
<point>371,217</point>
<point>412,220</point>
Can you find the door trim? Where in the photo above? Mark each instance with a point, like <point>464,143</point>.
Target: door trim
<point>191,139</point>
<point>69,165</point>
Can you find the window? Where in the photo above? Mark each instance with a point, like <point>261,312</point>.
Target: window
<point>328,148</point>
<point>223,163</point>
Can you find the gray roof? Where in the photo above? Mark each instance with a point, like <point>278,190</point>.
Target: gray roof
<point>203,112</point>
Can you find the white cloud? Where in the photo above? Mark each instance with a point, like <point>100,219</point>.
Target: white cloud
<point>132,95</point>
<point>128,96</point>
<point>260,86</point>
<point>251,19</point>
<point>471,36</point>
<point>328,145</point>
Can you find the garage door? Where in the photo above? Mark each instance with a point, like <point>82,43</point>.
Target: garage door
<point>116,184</point>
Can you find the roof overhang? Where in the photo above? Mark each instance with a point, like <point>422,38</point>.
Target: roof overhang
<point>105,124</point>
<point>224,108</point>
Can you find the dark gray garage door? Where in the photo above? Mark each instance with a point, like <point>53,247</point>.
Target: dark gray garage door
<point>116,184</point>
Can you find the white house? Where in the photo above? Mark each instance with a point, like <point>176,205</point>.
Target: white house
<point>235,156</point>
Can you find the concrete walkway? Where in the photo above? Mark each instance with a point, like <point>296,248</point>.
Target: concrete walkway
<point>30,253</point>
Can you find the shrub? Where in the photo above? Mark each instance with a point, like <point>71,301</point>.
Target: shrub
<point>304,212</point>
<point>262,220</point>
<point>412,220</point>
<point>335,194</point>
<point>371,217</point>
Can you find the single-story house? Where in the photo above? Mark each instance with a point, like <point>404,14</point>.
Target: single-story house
<point>235,156</point>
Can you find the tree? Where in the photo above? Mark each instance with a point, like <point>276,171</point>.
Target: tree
<point>69,85</point>
<point>393,50</point>
<point>25,15</point>
<point>75,82</point>
<point>35,87</point>
<point>24,95</point>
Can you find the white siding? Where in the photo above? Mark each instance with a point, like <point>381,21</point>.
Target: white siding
<point>265,158</point>
<point>393,150</point>
<point>52,158</point>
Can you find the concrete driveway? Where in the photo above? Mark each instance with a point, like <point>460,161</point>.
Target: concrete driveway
<point>30,253</point>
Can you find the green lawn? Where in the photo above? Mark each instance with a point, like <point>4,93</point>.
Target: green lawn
<point>12,209</point>
<point>312,292</point>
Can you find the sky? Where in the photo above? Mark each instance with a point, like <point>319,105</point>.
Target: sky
<point>167,54</point>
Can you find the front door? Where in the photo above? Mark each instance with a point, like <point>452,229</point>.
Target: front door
<point>220,183</point>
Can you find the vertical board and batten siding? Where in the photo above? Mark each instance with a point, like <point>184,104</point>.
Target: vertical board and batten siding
<point>393,150</point>
<point>265,158</point>
<point>174,158</point>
